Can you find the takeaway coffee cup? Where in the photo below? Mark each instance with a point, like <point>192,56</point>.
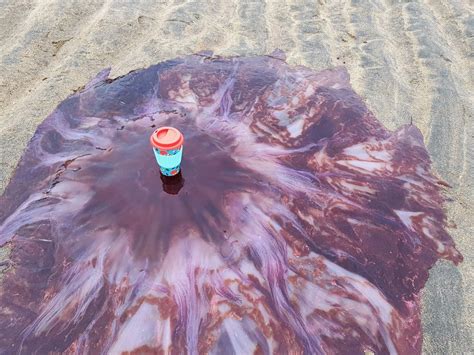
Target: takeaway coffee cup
<point>167,145</point>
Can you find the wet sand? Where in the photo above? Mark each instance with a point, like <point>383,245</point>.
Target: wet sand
<point>411,62</point>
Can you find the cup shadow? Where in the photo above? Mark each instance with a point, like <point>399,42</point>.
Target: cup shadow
<point>172,184</point>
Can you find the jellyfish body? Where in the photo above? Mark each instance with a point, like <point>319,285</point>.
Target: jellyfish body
<point>302,225</point>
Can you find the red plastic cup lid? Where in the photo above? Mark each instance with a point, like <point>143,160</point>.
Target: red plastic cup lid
<point>166,138</point>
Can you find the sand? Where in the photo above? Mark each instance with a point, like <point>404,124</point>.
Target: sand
<point>410,61</point>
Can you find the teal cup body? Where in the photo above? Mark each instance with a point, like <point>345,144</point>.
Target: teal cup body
<point>169,160</point>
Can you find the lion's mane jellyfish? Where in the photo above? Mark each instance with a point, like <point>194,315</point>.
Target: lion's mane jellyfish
<point>299,224</point>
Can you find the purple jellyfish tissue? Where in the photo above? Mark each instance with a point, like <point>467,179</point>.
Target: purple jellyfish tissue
<point>298,225</point>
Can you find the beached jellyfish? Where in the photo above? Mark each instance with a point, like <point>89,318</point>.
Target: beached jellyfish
<point>300,223</point>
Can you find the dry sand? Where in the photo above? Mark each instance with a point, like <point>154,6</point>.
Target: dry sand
<point>408,60</point>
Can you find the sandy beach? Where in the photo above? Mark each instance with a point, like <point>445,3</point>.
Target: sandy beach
<point>410,61</point>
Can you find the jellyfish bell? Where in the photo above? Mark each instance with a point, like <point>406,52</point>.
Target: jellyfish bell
<point>298,223</point>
